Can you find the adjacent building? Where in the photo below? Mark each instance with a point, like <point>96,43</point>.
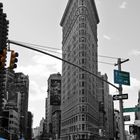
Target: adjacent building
<point>22,86</point>
<point>106,111</point>
<point>56,123</point>
<point>79,100</point>
<point>36,133</point>
<point>137,114</point>
<point>53,102</point>
<point>117,124</point>
<point>29,126</point>
<point>3,45</point>
<point>136,125</point>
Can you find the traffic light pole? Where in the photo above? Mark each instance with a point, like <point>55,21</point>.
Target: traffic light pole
<point>122,130</point>
<point>34,49</point>
<point>118,88</point>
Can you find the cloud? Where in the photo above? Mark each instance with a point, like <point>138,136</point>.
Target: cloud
<point>45,60</point>
<point>39,70</point>
<point>123,5</point>
<point>36,89</point>
<point>107,37</point>
<point>134,85</point>
<point>41,66</point>
<point>134,53</point>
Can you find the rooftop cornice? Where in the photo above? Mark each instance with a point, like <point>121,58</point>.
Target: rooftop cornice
<point>68,6</point>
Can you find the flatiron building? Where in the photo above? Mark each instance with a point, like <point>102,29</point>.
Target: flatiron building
<point>79,103</point>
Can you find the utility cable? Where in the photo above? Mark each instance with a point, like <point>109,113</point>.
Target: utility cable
<point>45,47</point>
<point>61,54</point>
<point>41,46</point>
<point>105,63</point>
<point>25,46</point>
<point>107,57</point>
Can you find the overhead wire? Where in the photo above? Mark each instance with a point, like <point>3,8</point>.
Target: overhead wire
<point>61,53</point>
<point>46,48</point>
<point>41,46</point>
<point>107,57</point>
<point>110,57</point>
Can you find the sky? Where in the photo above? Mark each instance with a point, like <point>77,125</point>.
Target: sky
<point>38,22</point>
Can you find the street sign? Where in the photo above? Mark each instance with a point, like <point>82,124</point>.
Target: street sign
<point>133,109</point>
<point>126,118</point>
<point>120,96</point>
<point>121,77</point>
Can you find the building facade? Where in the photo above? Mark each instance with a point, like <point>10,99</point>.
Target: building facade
<point>110,117</point>
<point>10,123</point>
<point>53,103</point>
<point>79,101</point>
<point>29,126</point>
<point>117,124</point>
<point>3,45</point>
<point>22,85</point>
<point>36,132</point>
<point>137,114</point>
<point>106,109</point>
<point>56,124</point>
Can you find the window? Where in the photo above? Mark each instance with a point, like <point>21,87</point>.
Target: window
<point>83,61</point>
<point>82,18</point>
<point>81,2</point>
<point>83,83</point>
<point>82,39</point>
<point>82,32</point>
<point>83,99</point>
<point>83,91</point>
<point>83,126</point>
<point>82,25</point>
<point>84,108</point>
<point>79,126</point>
<point>80,108</point>
<point>83,117</point>
<point>83,53</point>
<point>11,116</point>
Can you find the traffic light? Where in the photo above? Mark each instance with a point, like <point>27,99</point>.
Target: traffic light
<point>13,60</point>
<point>3,55</point>
<point>132,129</point>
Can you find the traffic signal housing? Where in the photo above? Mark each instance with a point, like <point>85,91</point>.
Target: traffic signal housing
<point>3,55</point>
<point>13,60</point>
<point>132,129</point>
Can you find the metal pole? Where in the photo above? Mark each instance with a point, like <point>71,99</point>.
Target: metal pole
<point>121,106</point>
<point>26,46</point>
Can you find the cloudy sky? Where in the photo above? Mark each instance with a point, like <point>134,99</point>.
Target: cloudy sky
<point>38,22</point>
